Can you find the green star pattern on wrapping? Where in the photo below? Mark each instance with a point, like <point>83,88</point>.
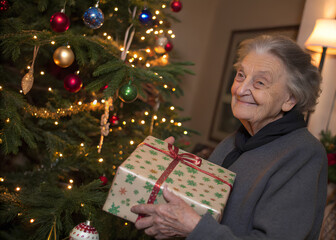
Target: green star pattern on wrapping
<point>191,170</point>
<point>141,201</point>
<point>218,195</point>
<point>169,180</point>
<point>189,194</point>
<point>142,167</point>
<point>138,156</point>
<point>166,158</point>
<point>232,175</point>
<point>182,186</point>
<point>129,166</point>
<point>114,209</point>
<point>191,183</point>
<point>201,195</point>
<point>220,170</point>
<point>205,202</point>
<point>210,211</point>
<point>159,141</point>
<point>161,167</point>
<point>192,205</point>
<point>142,150</point>
<point>211,164</point>
<point>148,162</point>
<point>154,153</point>
<point>130,178</point>
<point>152,177</point>
<point>127,202</point>
<point>205,179</point>
<point>136,192</point>
<point>148,186</point>
<point>231,181</point>
<point>178,173</point>
<point>160,193</point>
<point>218,182</point>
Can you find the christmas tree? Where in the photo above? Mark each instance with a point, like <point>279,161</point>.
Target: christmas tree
<point>82,84</point>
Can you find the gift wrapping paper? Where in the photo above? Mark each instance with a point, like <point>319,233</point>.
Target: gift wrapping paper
<point>141,177</point>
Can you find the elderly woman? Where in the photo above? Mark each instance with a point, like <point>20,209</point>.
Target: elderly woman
<point>280,189</point>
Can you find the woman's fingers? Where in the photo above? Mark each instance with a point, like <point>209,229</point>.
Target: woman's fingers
<point>170,140</point>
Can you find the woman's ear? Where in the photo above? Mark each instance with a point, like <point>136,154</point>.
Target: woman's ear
<point>289,104</point>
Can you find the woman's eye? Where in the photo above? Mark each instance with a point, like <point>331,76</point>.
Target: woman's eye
<point>240,75</point>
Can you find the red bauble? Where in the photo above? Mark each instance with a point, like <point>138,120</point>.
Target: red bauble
<point>59,22</point>
<point>72,83</point>
<point>4,5</point>
<point>104,180</point>
<point>168,47</point>
<point>176,5</point>
<point>114,120</point>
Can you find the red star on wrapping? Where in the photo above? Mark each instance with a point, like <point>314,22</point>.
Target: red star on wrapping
<point>122,191</point>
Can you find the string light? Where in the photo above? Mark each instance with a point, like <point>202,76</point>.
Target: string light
<point>69,187</point>
<point>94,102</point>
<point>71,181</point>
<point>120,152</point>
<point>172,36</point>
<point>165,86</point>
<point>163,6</point>
<point>121,49</point>
<point>172,108</point>
<point>0,88</point>
<point>172,121</point>
<point>7,120</point>
<point>35,37</point>
<point>124,122</point>
<point>160,22</point>
<point>156,32</point>
<point>100,160</point>
<point>103,100</point>
<point>42,73</point>
<point>170,31</point>
<point>179,124</point>
<point>32,220</point>
<point>116,9</point>
<point>50,89</point>
<point>157,12</point>
<point>82,144</point>
<point>17,189</point>
<point>104,34</point>
<point>52,42</point>
<point>114,167</point>
<point>142,122</point>
<point>132,120</point>
<point>155,117</point>
<point>148,50</point>
<point>154,17</point>
<point>28,67</point>
<point>82,204</point>
<point>131,142</point>
<point>126,223</point>
<point>147,65</point>
<point>173,89</point>
<point>56,123</point>
<point>2,179</point>
<point>146,113</point>
<point>109,37</point>
<point>163,120</point>
<point>80,103</point>
<point>142,38</point>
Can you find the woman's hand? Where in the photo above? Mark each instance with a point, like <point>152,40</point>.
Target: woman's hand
<point>175,218</point>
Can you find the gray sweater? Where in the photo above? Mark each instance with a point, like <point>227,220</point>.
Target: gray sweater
<point>279,193</point>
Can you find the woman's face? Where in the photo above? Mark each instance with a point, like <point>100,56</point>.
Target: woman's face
<point>259,91</point>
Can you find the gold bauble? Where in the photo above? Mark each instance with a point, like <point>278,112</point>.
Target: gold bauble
<point>63,57</point>
<point>27,81</point>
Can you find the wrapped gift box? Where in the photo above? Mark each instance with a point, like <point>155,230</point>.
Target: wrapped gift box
<point>206,188</point>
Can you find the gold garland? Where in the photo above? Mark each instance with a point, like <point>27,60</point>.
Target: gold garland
<point>61,112</point>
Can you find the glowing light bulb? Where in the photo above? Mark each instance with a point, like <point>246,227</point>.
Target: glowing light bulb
<point>148,50</point>
<point>105,34</point>
<point>131,142</point>
<point>2,179</point>
<point>35,37</point>
<point>116,9</point>
<point>142,122</point>
<point>172,108</point>
<point>42,73</point>
<point>56,123</point>
<point>32,220</point>
<point>155,117</point>
<point>146,113</point>
<point>17,189</point>
<point>163,6</point>
<point>69,186</point>
<point>80,103</point>
<point>172,121</point>
<point>157,12</point>
<point>185,132</point>
<point>148,65</point>
<point>100,160</point>
<point>170,31</point>
<point>50,89</point>
<point>163,120</point>
<point>52,42</point>
<point>71,181</point>
<point>142,38</point>
<point>172,36</point>
<point>95,102</point>
<point>179,124</point>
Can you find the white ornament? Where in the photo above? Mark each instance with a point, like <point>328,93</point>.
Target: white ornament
<point>84,231</point>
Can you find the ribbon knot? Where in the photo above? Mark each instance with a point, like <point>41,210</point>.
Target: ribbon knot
<point>183,157</point>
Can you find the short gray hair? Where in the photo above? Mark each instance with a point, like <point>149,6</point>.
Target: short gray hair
<point>304,78</point>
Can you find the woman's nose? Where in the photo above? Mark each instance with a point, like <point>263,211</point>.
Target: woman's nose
<point>244,87</point>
